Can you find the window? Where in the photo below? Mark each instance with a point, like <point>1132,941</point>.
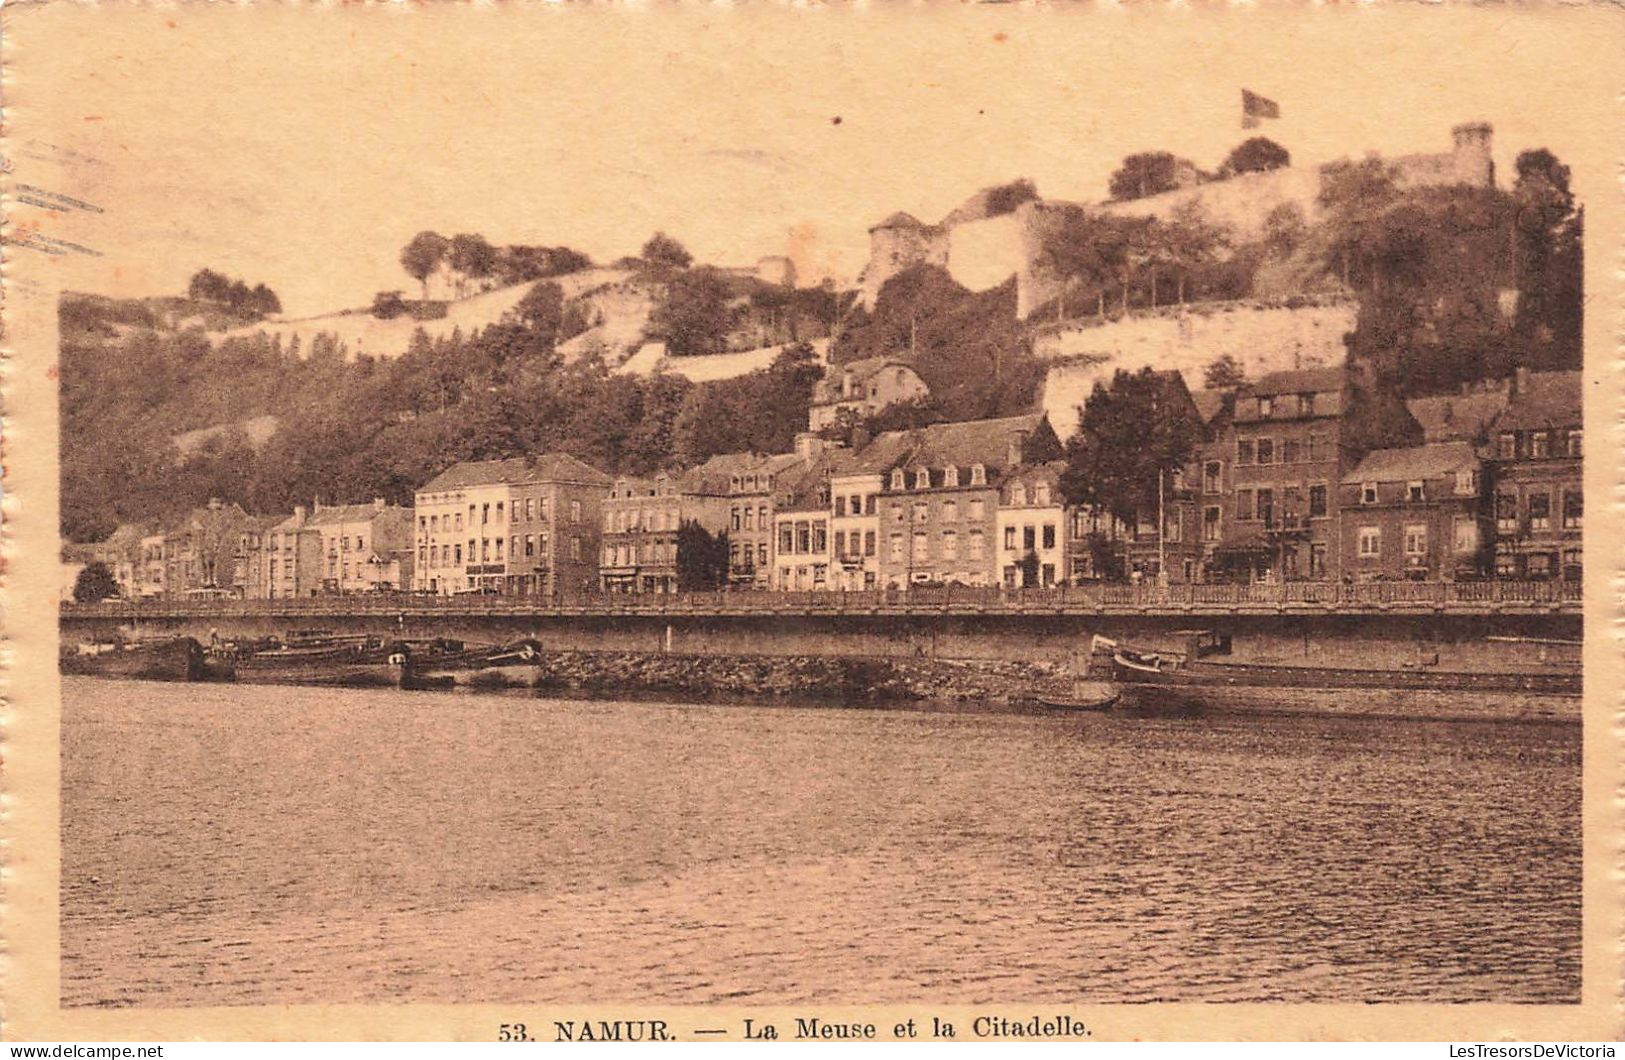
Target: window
<point>869,504</point>
<point>977,544</point>
<point>761,517</point>
<point>1173,528</point>
<point>922,547</point>
<point>1041,494</point>
<point>423,523</point>
<point>1244,451</point>
<point>1009,538</point>
<point>950,511</point>
<point>1018,496</point>
<point>1466,482</point>
<point>1575,443</point>
<point>1538,448</point>
<point>868,542</point>
<point>1291,451</point>
<point>1029,539</point>
<point>1317,501</point>
<point>922,479</point>
<point>459,553</point>
<point>1465,534</point>
<point>1540,564</point>
<point>1266,507</point>
<point>840,542</point>
<point>1244,505</point>
<point>733,519</point>
<point>1212,476</point>
<point>922,511</point>
<point>1540,511</point>
<point>786,538</point>
<point>1506,446</point>
<point>1266,407</point>
<point>978,475</point>
<point>1573,509</point>
<point>897,478</point>
<point>1414,491</point>
<point>820,536</point>
<point>1266,450</point>
<point>485,513</point>
<point>434,524</point>
<point>750,518</point>
<point>803,538</point>
<point>499,511</point>
<point>1416,540</point>
<point>840,507</point>
<point>1368,493</point>
<point>1506,513</point>
<point>530,508</point>
<point>575,511</point>
<point>1317,559</point>
<point>897,548</point>
<point>1048,536</point>
<point>897,513</point>
<point>1317,448</point>
<point>761,554</point>
<point>950,544</point>
<point>575,546</point>
<point>950,476</point>
<point>1306,404</point>
<point>1370,542</point>
<point>1210,523</point>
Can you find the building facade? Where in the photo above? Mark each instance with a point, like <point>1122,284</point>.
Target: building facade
<point>522,525</point>
<point>1416,514</point>
<point>363,547</point>
<point>1031,527</point>
<point>1537,461</point>
<point>860,389</point>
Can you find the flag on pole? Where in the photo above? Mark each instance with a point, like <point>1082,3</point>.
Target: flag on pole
<point>1255,108</point>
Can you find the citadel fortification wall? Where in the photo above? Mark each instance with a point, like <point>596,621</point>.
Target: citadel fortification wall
<point>1263,337</point>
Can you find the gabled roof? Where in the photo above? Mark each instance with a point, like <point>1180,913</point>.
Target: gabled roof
<point>828,389</point>
<point>1417,462</point>
<point>1208,403</point>
<point>805,492</point>
<point>1458,417</point>
<point>1299,381</point>
<point>1545,400</point>
<point>713,477</point>
<point>329,515</point>
<point>519,470</point>
<point>961,445</point>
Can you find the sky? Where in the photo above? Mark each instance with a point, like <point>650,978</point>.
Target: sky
<point>303,146</point>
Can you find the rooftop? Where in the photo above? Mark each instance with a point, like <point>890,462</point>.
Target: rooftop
<point>985,442</point>
<point>1544,400</point>
<point>1436,460</point>
<point>519,470</point>
<point>1299,381</point>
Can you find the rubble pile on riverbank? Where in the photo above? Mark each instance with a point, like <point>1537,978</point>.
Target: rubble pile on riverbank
<point>842,678</point>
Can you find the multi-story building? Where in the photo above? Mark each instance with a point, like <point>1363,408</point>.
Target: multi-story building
<point>522,525</point>
<point>363,547</point>
<point>154,564</point>
<point>253,547</point>
<point>803,554</point>
<point>290,557</point>
<point>1416,513</point>
<point>123,553</point>
<point>1538,472</point>
<point>1032,526</point>
<point>858,390</point>
<point>1268,477</point>
<point>855,482</point>
<point>939,499</point>
<point>751,493</point>
<point>642,519</point>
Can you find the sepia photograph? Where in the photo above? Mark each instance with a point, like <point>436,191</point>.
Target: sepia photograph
<point>698,522</point>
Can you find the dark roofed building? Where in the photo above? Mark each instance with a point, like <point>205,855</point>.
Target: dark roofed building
<point>861,389</point>
<point>1538,446</point>
<point>1415,513</point>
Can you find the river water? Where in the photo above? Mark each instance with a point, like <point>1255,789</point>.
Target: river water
<point>227,845</point>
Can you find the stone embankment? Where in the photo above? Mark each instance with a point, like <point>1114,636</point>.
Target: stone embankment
<point>844,679</point>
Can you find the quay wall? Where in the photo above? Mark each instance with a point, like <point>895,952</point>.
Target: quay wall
<point>1460,641</point>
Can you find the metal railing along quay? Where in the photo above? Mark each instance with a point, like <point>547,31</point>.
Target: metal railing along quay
<point>1485,597</point>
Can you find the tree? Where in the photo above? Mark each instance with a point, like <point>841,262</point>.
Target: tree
<point>702,559</point>
<point>1285,229</point>
<point>263,301</point>
<point>1258,155</point>
<point>662,249</point>
<point>1191,241</point>
<point>472,258</point>
<point>423,255</point>
<point>694,316</point>
<point>387,305</point>
<point>1130,434</point>
<point>1006,197</point>
<point>1548,257</point>
<point>208,286</point>
<point>1148,173</point>
<point>1223,373</point>
<point>1352,195</point>
<point>542,311</point>
<point>94,583</point>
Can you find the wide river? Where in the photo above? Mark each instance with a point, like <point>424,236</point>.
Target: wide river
<point>227,845</point>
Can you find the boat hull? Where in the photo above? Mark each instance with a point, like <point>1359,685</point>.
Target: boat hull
<point>180,659</point>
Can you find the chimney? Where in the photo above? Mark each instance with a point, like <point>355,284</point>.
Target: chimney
<point>1520,381</point>
<point>1012,456</point>
<point>808,445</point>
<point>215,504</point>
<point>378,504</point>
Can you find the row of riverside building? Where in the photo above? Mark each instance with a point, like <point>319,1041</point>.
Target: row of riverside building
<point>1486,483</point>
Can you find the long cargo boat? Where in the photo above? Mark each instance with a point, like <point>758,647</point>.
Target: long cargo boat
<point>368,662</point>
<point>1163,678</point>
